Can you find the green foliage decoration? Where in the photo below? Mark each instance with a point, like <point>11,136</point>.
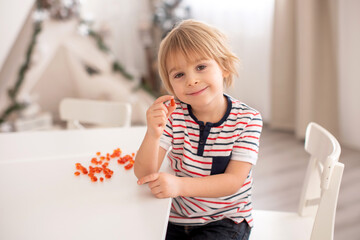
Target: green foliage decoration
<point>15,105</point>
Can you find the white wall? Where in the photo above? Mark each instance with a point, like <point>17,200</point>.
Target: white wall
<point>349,72</point>
<point>248,25</point>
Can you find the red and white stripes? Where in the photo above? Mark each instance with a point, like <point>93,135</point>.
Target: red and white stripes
<point>235,137</point>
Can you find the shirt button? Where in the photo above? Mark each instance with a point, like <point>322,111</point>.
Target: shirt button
<point>202,142</point>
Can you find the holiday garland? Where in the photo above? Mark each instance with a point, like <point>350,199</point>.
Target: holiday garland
<point>116,66</point>
<point>15,105</point>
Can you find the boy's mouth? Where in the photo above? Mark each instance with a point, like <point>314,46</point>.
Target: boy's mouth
<point>197,92</point>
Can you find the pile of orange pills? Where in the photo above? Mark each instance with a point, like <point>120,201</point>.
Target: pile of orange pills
<point>100,165</point>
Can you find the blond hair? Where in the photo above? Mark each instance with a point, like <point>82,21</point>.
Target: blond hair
<point>191,38</point>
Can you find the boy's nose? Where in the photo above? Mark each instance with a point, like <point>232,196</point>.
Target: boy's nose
<point>192,81</point>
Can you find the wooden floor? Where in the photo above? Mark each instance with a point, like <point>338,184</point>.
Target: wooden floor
<point>279,174</point>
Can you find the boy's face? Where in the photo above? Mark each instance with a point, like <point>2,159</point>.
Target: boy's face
<point>198,82</point>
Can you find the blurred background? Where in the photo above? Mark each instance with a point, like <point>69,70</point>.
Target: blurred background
<point>298,58</point>
<point>299,63</point>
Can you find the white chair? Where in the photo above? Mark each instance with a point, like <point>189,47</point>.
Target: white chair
<point>316,214</point>
<point>100,113</point>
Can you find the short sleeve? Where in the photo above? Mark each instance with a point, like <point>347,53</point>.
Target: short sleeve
<point>167,136</point>
<point>246,147</point>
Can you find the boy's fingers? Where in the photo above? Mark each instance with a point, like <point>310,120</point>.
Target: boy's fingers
<point>164,98</point>
<point>161,108</point>
<point>148,178</point>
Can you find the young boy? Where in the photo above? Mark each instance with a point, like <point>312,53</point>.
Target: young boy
<point>214,138</point>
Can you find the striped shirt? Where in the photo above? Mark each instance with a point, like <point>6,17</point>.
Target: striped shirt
<point>199,150</point>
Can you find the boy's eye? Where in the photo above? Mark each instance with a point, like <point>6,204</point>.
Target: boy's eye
<point>200,67</point>
<point>179,75</point>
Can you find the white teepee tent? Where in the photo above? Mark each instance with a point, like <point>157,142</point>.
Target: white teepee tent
<point>58,70</point>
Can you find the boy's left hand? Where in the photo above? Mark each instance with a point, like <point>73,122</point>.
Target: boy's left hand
<point>162,185</point>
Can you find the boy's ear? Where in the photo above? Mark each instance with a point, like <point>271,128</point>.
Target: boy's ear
<point>225,73</point>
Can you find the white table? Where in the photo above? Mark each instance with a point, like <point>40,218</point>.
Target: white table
<point>41,198</point>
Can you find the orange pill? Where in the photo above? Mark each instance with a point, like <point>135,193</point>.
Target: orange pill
<point>129,166</point>
<point>77,173</point>
<point>172,102</point>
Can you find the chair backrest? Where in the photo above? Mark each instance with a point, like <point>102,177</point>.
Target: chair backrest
<point>102,113</point>
<point>322,181</point>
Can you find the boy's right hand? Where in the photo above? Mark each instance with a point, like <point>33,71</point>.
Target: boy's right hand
<point>158,114</point>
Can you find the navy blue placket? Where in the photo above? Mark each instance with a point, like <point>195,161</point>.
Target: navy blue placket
<point>203,135</point>
<point>204,129</point>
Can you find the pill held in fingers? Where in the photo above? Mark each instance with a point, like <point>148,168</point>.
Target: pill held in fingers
<point>170,103</point>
